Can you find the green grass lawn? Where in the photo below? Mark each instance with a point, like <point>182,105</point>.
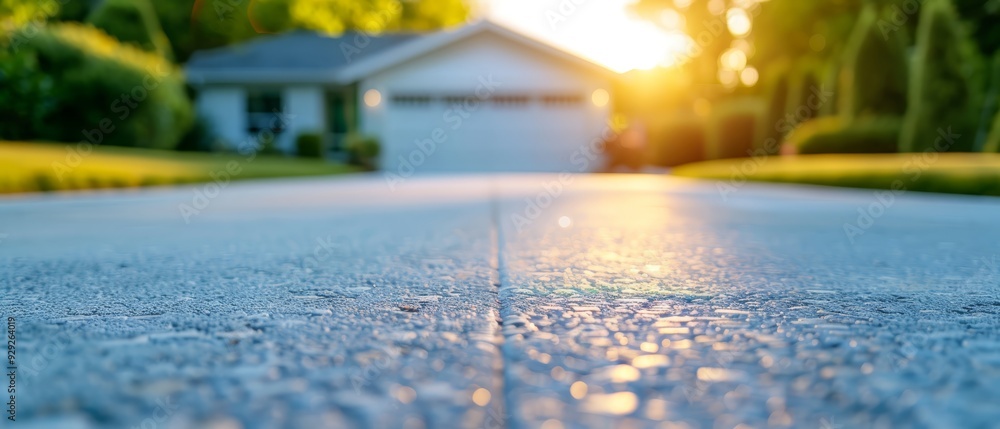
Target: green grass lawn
<point>32,167</point>
<point>954,173</point>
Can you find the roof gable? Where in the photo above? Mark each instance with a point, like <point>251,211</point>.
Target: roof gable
<point>419,47</point>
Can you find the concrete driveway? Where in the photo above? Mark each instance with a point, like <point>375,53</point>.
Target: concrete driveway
<point>503,302</point>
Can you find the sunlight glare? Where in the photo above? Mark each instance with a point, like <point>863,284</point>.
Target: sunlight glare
<point>749,76</point>
<point>739,22</point>
<point>605,32</point>
<point>734,59</point>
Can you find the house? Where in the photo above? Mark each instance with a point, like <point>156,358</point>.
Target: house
<point>478,98</point>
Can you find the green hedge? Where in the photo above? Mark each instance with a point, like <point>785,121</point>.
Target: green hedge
<point>137,98</point>
<point>834,134</point>
<point>735,128</point>
<point>132,21</point>
<point>945,92</point>
<point>681,140</point>
<point>363,150</point>
<point>874,77</point>
<point>309,145</point>
<point>24,95</point>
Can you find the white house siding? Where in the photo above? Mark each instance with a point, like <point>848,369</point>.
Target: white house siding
<point>225,107</point>
<point>492,137</point>
<point>305,112</point>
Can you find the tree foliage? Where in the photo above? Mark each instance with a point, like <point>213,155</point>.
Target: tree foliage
<point>982,16</point>
<point>945,86</point>
<point>191,25</point>
<point>874,77</point>
<point>201,24</point>
<point>132,21</point>
<point>26,95</point>
<point>104,91</point>
<point>16,13</point>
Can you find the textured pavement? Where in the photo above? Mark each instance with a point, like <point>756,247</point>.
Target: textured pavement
<point>503,301</point>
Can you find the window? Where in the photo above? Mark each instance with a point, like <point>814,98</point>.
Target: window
<point>561,100</point>
<point>511,100</point>
<point>264,111</point>
<point>408,100</point>
<point>459,99</point>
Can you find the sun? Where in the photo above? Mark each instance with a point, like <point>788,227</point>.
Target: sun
<point>601,30</point>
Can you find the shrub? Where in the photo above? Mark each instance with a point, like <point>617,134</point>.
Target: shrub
<point>988,134</point>
<point>134,22</point>
<point>944,92</point>
<point>993,140</point>
<point>137,96</point>
<point>804,93</point>
<point>874,76</point>
<point>199,138</point>
<point>831,83</point>
<point>363,150</point>
<point>734,129</point>
<point>309,145</point>
<point>679,141</point>
<point>26,97</point>
<point>777,94</point>
<point>835,134</point>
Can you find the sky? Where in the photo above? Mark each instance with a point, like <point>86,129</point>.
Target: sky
<point>600,30</point>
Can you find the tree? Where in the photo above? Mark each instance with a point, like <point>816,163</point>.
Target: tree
<point>16,13</point>
<point>945,86</point>
<point>203,24</point>
<point>132,21</point>
<point>874,78</point>
<point>982,16</point>
<point>191,25</point>
<point>707,30</point>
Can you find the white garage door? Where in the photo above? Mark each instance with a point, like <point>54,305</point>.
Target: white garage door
<point>514,132</point>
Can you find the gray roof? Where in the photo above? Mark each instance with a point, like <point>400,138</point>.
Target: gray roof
<point>309,57</point>
<point>299,50</point>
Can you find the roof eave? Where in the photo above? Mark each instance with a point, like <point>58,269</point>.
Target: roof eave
<point>200,77</point>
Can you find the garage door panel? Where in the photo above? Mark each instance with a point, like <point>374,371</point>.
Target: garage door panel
<point>493,138</point>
